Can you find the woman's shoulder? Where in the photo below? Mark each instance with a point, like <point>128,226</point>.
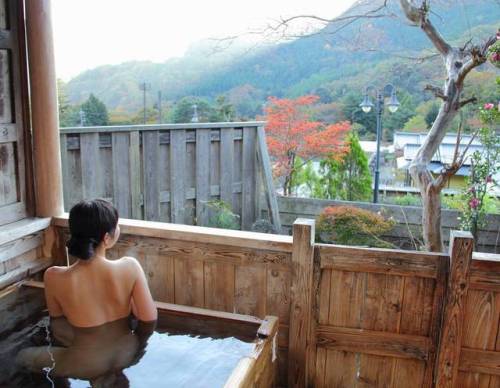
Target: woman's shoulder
<point>129,262</point>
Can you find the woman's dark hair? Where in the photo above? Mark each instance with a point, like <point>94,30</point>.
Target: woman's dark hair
<point>89,221</point>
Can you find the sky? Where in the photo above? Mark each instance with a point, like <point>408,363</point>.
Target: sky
<point>90,33</point>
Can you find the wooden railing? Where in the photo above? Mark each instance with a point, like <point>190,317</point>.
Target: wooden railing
<point>169,172</point>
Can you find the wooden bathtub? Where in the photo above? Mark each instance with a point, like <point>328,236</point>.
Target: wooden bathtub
<point>21,302</point>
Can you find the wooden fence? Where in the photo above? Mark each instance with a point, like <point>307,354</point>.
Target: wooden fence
<point>169,172</point>
<point>408,228</point>
<point>348,316</point>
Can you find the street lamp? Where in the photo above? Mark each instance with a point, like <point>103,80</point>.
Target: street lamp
<point>367,105</point>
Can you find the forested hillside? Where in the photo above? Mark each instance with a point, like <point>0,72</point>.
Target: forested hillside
<point>336,65</point>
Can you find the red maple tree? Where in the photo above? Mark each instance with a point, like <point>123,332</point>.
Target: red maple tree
<point>291,133</point>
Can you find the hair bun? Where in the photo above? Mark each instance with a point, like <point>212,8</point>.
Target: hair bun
<point>82,247</point>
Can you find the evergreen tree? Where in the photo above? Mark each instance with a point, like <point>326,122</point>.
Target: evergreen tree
<point>431,115</point>
<point>95,112</point>
<point>184,110</point>
<point>68,114</point>
<point>347,178</point>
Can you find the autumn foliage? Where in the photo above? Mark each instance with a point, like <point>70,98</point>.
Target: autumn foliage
<point>291,134</point>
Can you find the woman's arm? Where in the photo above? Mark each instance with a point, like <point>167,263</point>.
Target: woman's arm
<point>143,306</point>
<point>50,281</point>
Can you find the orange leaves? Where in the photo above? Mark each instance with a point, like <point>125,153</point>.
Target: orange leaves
<point>291,132</point>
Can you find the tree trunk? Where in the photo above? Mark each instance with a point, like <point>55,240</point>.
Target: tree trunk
<point>431,219</point>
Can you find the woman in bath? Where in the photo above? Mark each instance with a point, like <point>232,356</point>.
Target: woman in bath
<point>91,301</point>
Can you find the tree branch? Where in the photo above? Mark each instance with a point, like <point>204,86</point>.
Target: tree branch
<point>478,55</point>
<point>418,16</point>
<point>438,92</point>
<point>471,100</point>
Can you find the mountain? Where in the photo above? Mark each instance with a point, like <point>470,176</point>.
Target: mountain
<point>360,51</point>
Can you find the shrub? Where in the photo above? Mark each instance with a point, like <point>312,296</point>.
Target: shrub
<point>222,216</point>
<point>349,225</point>
<point>407,200</point>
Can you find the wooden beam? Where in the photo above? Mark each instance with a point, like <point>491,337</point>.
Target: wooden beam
<point>480,361</point>
<point>301,302</point>
<point>448,356</point>
<point>250,240</point>
<point>373,342</point>
<point>45,124</point>
<point>384,261</point>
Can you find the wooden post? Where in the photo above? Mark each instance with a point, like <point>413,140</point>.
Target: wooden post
<point>47,157</point>
<point>301,303</point>
<point>461,246</point>
<point>272,202</point>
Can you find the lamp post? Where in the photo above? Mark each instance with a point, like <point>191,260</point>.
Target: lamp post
<point>367,105</point>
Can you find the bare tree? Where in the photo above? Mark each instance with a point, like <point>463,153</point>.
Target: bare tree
<point>458,62</point>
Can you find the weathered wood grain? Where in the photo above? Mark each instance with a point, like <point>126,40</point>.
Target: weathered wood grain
<point>177,176</point>
<point>151,189</point>
<point>121,174</point>
<point>135,175</point>
<point>226,165</point>
<point>248,178</point>
<point>454,309</point>
<point>301,308</point>
<point>91,166</point>
<point>202,175</point>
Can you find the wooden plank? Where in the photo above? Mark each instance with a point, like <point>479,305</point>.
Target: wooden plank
<point>65,171</point>
<point>150,153</point>
<point>8,133</point>
<point>448,357</point>
<point>323,306</point>
<point>90,163</point>
<point>250,290</point>
<point>135,175</point>
<point>482,314</point>
<point>248,178</point>
<point>198,234</point>
<point>480,361</point>
<point>189,282</point>
<point>346,298</point>
<point>382,261</point>
<point>219,286</point>
<point>18,247</point>
<point>202,175</point>
<point>177,176</point>
<point>337,363</point>
<point>271,198</point>
<point>121,174</point>
<point>160,274</point>
<point>278,294</point>
<point>373,342</point>
<point>18,230</point>
<point>417,306</point>
<point>226,165</point>
<point>301,308</point>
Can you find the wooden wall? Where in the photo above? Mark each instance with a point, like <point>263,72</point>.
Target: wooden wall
<point>14,157</point>
<point>378,317</point>
<point>165,172</point>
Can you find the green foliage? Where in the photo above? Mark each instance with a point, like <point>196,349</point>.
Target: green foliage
<point>396,121</point>
<point>416,124</point>
<point>348,178</point>
<point>68,114</point>
<point>431,115</point>
<point>407,200</point>
<point>349,225</point>
<point>95,111</point>
<point>222,216</point>
<point>184,110</point>
<point>485,165</point>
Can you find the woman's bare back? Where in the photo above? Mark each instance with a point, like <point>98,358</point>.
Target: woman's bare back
<point>98,291</point>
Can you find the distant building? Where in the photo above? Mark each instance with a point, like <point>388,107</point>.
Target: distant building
<point>406,145</point>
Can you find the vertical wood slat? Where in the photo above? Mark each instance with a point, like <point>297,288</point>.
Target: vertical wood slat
<point>226,165</point>
<point>135,175</point>
<point>150,153</point>
<point>461,246</point>
<point>177,175</point>
<point>202,175</point>
<point>271,199</point>
<point>64,165</point>
<point>301,315</point>
<point>248,178</point>
<point>121,173</point>
<point>89,156</point>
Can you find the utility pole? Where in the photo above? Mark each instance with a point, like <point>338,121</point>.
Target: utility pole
<point>144,86</point>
